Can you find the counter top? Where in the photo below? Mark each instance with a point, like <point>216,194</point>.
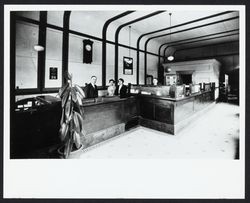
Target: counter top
<point>175,99</point>
<point>103,100</point>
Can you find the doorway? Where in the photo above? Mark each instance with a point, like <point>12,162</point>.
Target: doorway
<point>186,78</point>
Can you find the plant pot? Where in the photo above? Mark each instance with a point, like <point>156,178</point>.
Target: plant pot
<point>73,155</point>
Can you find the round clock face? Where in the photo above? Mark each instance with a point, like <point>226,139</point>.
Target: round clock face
<point>88,47</point>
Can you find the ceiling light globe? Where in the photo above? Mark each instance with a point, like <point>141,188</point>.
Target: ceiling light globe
<point>170,58</point>
<point>38,48</point>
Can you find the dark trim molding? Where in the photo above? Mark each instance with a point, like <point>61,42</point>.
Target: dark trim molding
<point>182,24</point>
<point>117,37</point>
<point>25,19</point>
<point>216,44</point>
<point>184,30</point>
<point>65,45</point>
<point>192,28</point>
<point>203,40</point>
<point>107,41</point>
<point>167,28</point>
<point>208,57</point>
<point>12,77</point>
<point>66,31</point>
<point>170,44</point>
<point>104,43</point>
<point>28,20</point>
<point>42,54</point>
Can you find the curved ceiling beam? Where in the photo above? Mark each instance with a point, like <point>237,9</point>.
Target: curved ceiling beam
<point>65,45</point>
<point>104,43</point>
<point>117,37</point>
<point>204,40</point>
<point>159,58</point>
<point>192,28</point>
<point>184,40</point>
<point>186,23</point>
<point>204,46</point>
<point>167,28</point>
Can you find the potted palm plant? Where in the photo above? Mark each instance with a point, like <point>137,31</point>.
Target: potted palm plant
<point>71,122</point>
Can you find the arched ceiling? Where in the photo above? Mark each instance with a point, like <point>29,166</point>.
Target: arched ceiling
<point>162,20</point>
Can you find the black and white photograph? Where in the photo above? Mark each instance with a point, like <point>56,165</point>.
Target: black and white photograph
<point>136,101</point>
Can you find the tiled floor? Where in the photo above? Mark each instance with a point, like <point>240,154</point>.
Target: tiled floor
<point>214,136</point>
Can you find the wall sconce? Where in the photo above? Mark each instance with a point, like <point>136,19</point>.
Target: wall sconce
<point>38,48</point>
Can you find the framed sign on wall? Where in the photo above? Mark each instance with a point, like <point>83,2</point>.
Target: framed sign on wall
<point>53,73</point>
<point>127,65</point>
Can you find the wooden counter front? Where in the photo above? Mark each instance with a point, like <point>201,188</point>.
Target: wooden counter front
<point>108,117</point>
<point>105,118</point>
<point>37,129</point>
<point>171,115</point>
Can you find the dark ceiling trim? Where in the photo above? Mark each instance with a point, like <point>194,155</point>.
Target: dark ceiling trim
<point>29,20</point>
<point>81,34</point>
<point>206,39</point>
<point>184,30</point>
<point>216,44</point>
<point>186,23</point>
<point>192,28</point>
<point>167,28</point>
<point>209,57</point>
<point>203,40</point>
<point>109,42</point>
<point>218,33</point>
<point>104,43</point>
<point>117,37</point>
<point>65,45</point>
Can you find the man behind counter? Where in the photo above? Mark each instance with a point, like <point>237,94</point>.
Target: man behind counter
<point>91,88</point>
<point>121,89</point>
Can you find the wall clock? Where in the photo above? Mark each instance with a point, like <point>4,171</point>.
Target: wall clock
<point>87,51</point>
<point>88,47</point>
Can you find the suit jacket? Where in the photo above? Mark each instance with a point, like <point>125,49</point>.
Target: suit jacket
<point>91,92</point>
<point>123,91</point>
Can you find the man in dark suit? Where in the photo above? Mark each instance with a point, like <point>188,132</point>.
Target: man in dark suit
<point>121,89</point>
<point>91,88</point>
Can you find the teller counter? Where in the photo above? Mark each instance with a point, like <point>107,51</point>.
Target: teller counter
<point>105,118</point>
<point>172,114</point>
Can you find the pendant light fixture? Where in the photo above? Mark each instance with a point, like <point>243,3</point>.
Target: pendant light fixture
<point>129,39</point>
<point>129,60</point>
<point>170,58</point>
